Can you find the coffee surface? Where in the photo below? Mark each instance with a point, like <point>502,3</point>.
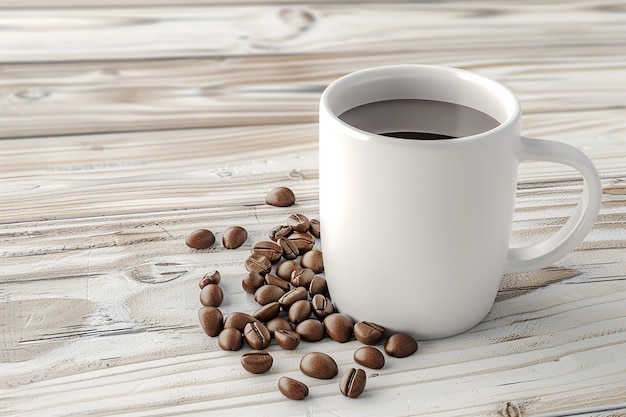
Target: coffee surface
<point>419,119</point>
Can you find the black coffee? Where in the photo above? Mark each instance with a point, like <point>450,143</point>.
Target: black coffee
<point>419,119</point>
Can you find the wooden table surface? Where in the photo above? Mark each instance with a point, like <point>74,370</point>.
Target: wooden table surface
<point>127,124</point>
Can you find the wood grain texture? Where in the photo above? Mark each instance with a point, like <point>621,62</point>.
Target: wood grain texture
<point>88,4</point>
<point>157,95</point>
<point>127,125</point>
<point>193,31</point>
<point>294,52</point>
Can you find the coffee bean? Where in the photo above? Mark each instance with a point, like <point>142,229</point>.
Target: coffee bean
<point>304,241</point>
<point>339,327</point>
<point>211,319</point>
<point>271,250</point>
<point>368,333</point>
<point>278,323</point>
<point>322,306</point>
<point>252,282</point>
<point>257,335</point>
<point>271,279</point>
<point>280,197</point>
<point>280,231</point>
<point>234,237</point>
<point>299,311</point>
<point>200,239</point>
<point>287,339</point>
<point>314,227</point>
<point>298,293</point>
<point>319,365</point>
<point>285,268</point>
<point>298,222</point>
<point>289,247</point>
<point>400,345</point>
<point>313,260</point>
<point>369,357</point>
<point>238,320</point>
<point>211,295</point>
<point>230,339</point>
<point>267,312</point>
<point>257,361</point>
<point>268,294</point>
<point>310,330</point>
<point>258,263</point>
<point>302,277</point>
<point>213,277</point>
<point>292,388</point>
<point>352,382</point>
<point>318,286</point>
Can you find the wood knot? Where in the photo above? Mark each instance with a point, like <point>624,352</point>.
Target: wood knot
<point>511,409</point>
<point>298,18</point>
<point>32,94</point>
<point>157,273</point>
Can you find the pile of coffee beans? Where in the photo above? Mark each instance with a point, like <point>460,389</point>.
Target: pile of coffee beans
<point>283,275</point>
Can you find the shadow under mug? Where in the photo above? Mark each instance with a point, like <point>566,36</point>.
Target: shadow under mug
<point>416,233</point>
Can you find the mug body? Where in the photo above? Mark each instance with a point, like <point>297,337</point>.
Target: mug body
<point>415,233</point>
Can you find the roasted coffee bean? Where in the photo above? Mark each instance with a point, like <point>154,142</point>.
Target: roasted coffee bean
<point>278,323</point>
<point>339,327</point>
<point>319,365</point>
<point>268,294</point>
<point>287,339</point>
<point>238,320</point>
<point>298,293</point>
<point>285,268</point>
<point>322,306</point>
<point>302,277</point>
<point>299,311</point>
<point>200,239</point>
<point>211,320</point>
<point>368,333</point>
<point>271,250</point>
<point>318,286</point>
<point>213,277</point>
<point>298,223</point>
<point>314,227</point>
<point>289,247</point>
<point>369,357</point>
<point>280,197</point>
<point>267,312</point>
<point>230,339</point>
<point>313,260</point>
<point>211,295</point>
<point>234,237</point>
<point>280,231</point>
<point>271,279</point>
<point>252,282</point>
<point>258,263</point>
<point>352,382</point>
<point>257,335</point>
<point>400,345</point>
<point>304,241</point>
<point>310,330</point>
<point>257,361</point>
<point>292,388</point>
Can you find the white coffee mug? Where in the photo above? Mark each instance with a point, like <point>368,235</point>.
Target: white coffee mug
<point>416,233</point>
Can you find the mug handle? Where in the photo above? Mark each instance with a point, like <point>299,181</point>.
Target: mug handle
<point>539,255</point>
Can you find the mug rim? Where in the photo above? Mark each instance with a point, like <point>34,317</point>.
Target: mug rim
<point>513,114</point>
